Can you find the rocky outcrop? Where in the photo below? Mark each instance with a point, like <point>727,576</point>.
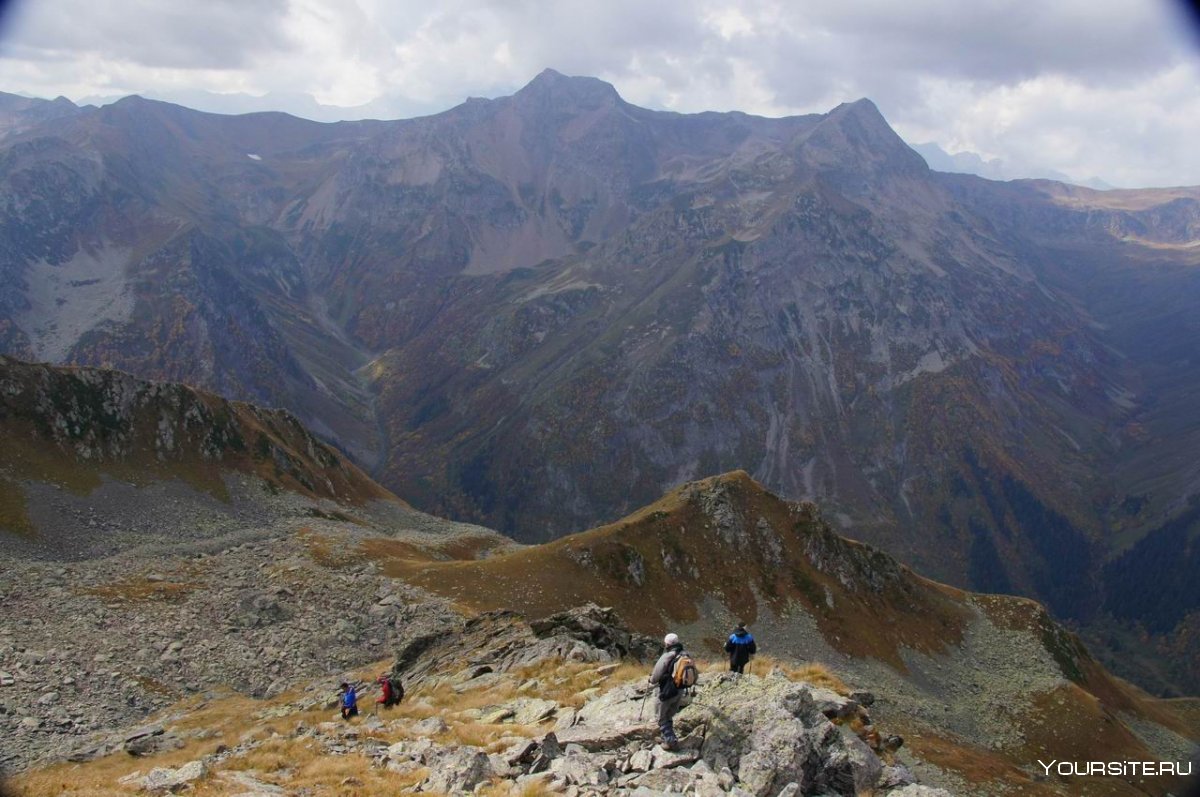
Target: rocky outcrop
<point>66,425</point>
<point>500,641</point>
<point>742,735</point>
<point>759,735</point>
<point>600,628</point>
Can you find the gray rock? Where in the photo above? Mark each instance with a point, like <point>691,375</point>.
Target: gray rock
<point>253,785</point>
<point>530,711</point>
<point>865,699</point>
<point>665,759</point>
<point>595,739</point>
<point>849,766</point>
<point>458,770</point>
<point>917,790</point>
<point>641,761</point>
<point>520,753</point>
<point>894,776</point>
<point>581,769</point>
<point>430,726</point>
<point>667,780</point>
<point>161,780</point>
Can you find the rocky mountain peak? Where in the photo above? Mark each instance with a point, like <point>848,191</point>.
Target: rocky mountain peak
<point>554,89</point>
<point>855,137</point>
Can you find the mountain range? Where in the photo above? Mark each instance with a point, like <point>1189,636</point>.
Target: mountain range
<point>542,311</point>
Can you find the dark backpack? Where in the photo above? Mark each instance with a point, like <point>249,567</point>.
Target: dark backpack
<point>395,692</point>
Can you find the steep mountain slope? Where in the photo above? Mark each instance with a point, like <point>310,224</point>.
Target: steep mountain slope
<point>543,310</point>
<point>157,541</point>
<point>982,685</point>
<point>80,435</point>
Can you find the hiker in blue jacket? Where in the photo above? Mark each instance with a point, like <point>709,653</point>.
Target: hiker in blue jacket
<point>349,701</point>
<point>740,648</point>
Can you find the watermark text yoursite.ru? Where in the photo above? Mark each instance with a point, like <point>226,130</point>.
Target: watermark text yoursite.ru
<point>1117,768</point>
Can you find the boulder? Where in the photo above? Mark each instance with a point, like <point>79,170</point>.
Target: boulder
<point>162,780</point>
<point>628,704</point>
<point>672,781</point>
<point>667,759</point>
<point>581,769</point>
<point>430,726</point>
<point>531,711</point>
<point>893,776</point>
<point>520,753</point>
<point>773,732</point>
<point>848,766</point>
<point>457,770</point>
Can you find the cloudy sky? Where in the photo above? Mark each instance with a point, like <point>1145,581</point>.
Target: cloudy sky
<point>1105,89</point>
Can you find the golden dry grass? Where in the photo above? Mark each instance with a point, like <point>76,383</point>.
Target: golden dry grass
<point>813,673</point>
<point>138,589</point>
<point>329,552</point>
<point>226,717</point>
<point>567,683</point>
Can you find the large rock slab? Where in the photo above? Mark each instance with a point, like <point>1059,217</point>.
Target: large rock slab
<point>606,737</point>
<point>457,770</point>
<point>163,780</point>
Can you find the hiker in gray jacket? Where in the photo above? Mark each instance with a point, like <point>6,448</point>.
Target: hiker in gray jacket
<point>668,695</point>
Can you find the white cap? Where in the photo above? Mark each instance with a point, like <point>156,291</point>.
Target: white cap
<point>670,639</point>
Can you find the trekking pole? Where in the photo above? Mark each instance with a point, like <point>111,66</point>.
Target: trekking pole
<point>642,708</point>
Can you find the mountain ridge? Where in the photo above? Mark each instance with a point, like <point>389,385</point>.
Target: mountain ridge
<point>979,685</point>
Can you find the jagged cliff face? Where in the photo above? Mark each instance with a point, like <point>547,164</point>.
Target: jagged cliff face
<point>74,427</point>
<point>543,310</point>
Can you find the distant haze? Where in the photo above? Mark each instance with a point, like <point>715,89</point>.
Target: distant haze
<point>1097,91</point>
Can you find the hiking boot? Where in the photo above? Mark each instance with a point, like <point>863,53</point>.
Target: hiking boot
<point>670,745</point>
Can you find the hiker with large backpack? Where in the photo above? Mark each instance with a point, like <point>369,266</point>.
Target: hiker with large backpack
<point>674,674</point>
<point>392,691</point>
<point>740,648</point>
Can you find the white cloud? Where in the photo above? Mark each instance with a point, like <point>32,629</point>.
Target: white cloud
<point>1107,89</point>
